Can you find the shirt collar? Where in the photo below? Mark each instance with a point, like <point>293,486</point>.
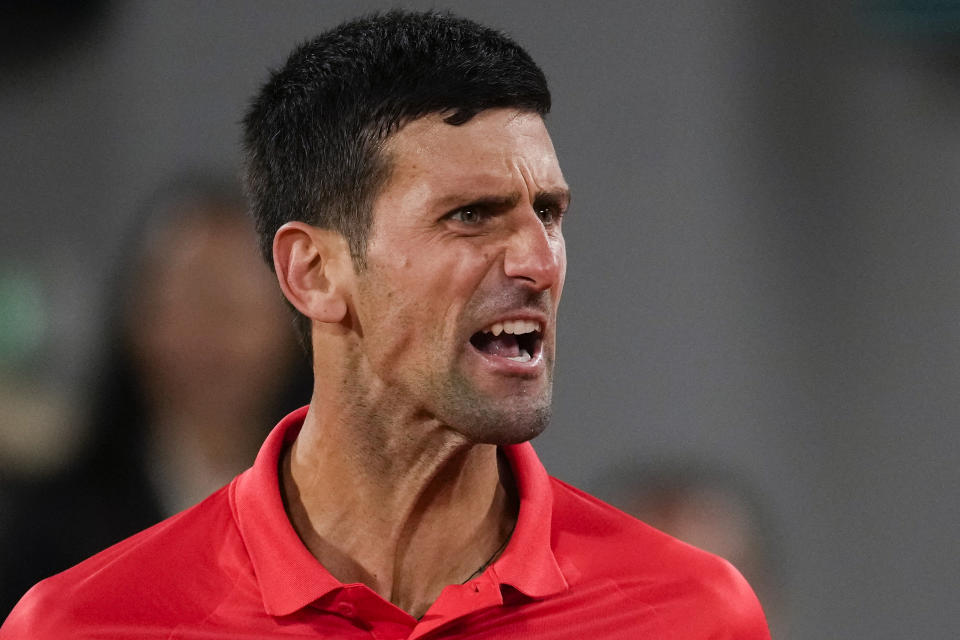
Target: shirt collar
<point>528,563</point>
<point>291,578</point>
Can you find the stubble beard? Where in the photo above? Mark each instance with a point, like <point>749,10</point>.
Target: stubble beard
<point>487,417</point>
<point>483,419</point>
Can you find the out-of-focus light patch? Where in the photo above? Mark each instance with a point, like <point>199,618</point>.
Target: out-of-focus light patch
<point>35,433</point>
<point>23,320</point>
<point>914,17</point>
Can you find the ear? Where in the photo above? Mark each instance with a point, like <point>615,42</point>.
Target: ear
<point>310,264</point>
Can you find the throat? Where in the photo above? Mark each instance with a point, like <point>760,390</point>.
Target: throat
<point>429,535</point>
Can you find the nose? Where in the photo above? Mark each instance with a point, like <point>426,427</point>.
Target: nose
<point>535,253</point>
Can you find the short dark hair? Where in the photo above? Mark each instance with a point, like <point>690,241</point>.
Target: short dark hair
<point>314,132</point>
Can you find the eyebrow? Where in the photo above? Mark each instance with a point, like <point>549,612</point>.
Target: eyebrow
<point>557,197</point>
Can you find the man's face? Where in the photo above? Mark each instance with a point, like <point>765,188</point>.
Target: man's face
<point>456,308</point>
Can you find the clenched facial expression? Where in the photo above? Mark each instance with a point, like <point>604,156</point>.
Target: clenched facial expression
<point>456,306</point>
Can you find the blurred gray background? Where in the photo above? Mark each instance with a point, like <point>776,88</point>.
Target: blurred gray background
<point>764,249</point>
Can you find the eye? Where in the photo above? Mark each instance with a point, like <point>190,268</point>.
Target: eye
<point>466,215</point>
<point>549,215</point>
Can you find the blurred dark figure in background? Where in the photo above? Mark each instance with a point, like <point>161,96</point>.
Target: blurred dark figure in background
<point>193,304</point>
<point>711,507</point>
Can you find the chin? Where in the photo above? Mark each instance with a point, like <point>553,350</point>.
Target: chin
<point>485,416</point>
<point>500,425</point>
<point>514,431</point>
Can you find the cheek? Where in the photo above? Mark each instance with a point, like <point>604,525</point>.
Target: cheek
<point>388,311</point>
<point>560,250</point>
<point>418,294</point>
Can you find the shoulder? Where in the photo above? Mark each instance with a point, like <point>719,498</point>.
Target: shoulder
<point>685,585</point>
<point>163,574</point>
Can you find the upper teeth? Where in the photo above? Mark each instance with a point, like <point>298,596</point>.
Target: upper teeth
<point>515,327</point>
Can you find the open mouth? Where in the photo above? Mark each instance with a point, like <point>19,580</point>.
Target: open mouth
<point>517,340</point>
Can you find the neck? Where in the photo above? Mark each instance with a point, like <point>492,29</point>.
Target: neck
<point>405,509</point>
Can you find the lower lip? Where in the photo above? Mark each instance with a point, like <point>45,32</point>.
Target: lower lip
<point>505,366</point>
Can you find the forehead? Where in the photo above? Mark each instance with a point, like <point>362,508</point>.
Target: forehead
<point>496,150</point>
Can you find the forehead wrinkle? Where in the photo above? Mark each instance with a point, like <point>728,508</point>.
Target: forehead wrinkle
<point>532,182</point>
<point>415,150</point>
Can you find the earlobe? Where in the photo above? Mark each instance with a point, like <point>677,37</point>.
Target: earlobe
<point>307,261</point>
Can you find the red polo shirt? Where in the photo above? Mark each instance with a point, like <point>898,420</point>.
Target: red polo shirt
<point>233,567</point>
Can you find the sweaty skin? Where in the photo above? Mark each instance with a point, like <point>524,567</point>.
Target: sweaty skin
<point>394,480</point>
